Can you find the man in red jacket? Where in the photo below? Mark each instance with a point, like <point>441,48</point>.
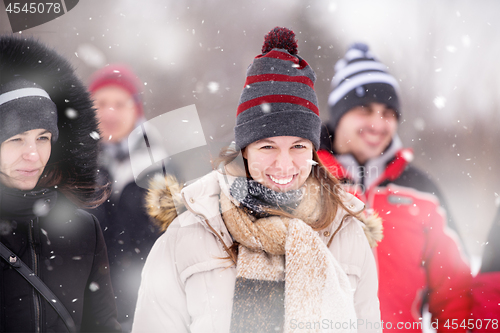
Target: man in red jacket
<point>419,260</point>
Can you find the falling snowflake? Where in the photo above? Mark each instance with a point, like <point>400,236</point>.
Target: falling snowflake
<point>440,102</point>
<point>91,55</point>
<point>71,113</point>
<point>451,49</point>
<point>94,135</point>
<point>213,87</point>
<point>40,208</point>
<point>266,107</point>
<point>94,286</point>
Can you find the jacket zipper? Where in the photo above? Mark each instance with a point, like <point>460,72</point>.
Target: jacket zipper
<point>34,261</point>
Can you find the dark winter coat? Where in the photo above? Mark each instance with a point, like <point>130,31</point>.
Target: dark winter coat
<point>129,236</point>
<point>128,231</point>
<point>63,245</point>
<point>419,260</point>
<point>66,250</point>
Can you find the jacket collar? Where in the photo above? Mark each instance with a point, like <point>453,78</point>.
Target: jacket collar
<point>202,197</point>
<point>388,166</point>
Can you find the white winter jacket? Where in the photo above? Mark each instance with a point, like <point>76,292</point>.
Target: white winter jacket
<point>188,282</point>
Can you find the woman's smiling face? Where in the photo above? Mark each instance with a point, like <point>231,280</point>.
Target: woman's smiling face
<point>281,163</point>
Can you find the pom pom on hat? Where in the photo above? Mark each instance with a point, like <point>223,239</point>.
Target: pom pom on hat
<point>280,38</point>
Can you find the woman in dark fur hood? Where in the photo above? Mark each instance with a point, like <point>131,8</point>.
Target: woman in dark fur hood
<point>48,167</point>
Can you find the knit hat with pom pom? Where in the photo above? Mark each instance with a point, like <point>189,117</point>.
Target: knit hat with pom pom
<point>278,98</point>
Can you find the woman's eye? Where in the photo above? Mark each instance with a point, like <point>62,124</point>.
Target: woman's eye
<point>44,138</point>
<point>266,147</point>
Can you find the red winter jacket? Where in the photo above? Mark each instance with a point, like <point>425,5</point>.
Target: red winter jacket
<point>419,259</point>
<point>486,305</point>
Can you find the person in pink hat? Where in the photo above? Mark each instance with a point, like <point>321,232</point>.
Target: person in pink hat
<point>116,92</point>
<point>128,233</point>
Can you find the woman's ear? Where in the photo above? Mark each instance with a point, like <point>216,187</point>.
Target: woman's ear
<point>244,153</point>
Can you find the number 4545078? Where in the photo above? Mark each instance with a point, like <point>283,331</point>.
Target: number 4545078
<point>471,324</point>
<point>34,8</point>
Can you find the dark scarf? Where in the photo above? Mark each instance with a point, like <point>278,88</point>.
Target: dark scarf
<point>25,205</point>
<point>254,197</point>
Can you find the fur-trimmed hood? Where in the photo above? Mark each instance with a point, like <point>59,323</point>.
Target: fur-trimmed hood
<point>75,152</point>
<point>164,202</point>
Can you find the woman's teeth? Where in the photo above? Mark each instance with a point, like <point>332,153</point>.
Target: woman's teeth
<point>281,181</point>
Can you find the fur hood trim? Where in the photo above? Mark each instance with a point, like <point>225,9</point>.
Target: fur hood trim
<point>75,152</point>
<point>372,226</point>
<point>164,202</point>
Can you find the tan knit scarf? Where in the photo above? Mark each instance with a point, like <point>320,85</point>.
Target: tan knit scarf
<point>286,276</point>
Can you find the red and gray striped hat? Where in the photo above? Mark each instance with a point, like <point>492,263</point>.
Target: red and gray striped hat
<point>279,97</point>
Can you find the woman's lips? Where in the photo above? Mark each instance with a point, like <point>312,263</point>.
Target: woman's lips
<point>28,172</point>
<point>282,180</point>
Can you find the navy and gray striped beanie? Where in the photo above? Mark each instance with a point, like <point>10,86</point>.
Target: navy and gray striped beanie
<point>360,79</point>
<point>279,97</point>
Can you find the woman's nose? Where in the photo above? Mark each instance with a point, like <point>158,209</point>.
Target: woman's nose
<point>284,161</point>
<point>31,153</point>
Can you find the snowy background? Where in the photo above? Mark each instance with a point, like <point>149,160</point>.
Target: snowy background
<point>444,54</point>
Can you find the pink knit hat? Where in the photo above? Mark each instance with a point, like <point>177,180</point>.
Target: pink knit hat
<point>122,76</point>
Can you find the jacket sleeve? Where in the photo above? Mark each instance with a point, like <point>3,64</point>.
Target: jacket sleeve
<point>99,312</point>
<point>366,300</point>
<point>161,305</point>
<point>448,274</point>
<point>486,302</point>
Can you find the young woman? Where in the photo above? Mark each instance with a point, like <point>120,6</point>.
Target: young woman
<point>273,245</point>
<point>48,136</point>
